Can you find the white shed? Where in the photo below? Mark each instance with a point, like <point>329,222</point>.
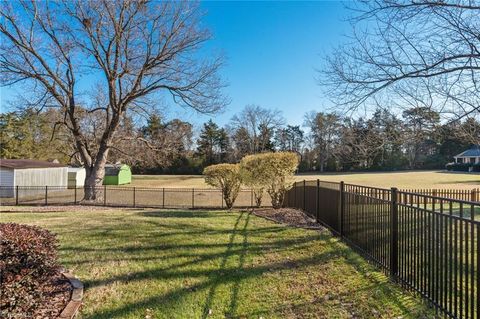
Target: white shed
<point>76,177</point>
<point>30,173</point>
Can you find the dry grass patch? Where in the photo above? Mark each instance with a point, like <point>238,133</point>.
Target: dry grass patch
<point>401,179</point>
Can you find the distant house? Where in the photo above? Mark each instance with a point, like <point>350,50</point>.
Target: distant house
<point>76,177</point>
<point>467,161</point>
<point>117,174</point>
<point>30,173</point>
<point>470,156</point>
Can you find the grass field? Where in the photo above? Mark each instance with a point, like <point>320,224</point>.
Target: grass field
<point>215,264</point>
<point>402,179</point>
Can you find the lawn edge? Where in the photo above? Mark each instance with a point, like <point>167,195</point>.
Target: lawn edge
<point>73,306</point>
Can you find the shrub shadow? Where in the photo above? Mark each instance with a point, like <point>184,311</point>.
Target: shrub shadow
<point>180,213</point>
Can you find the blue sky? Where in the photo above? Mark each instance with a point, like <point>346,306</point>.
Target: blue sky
<point>272,50</point>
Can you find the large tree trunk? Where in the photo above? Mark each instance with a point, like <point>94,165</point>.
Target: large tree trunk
<point>93,184</point>
<point>93,190</point>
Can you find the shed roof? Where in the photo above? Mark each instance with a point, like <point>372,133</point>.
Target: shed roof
<point>27,163</point>
<point>473,151</point>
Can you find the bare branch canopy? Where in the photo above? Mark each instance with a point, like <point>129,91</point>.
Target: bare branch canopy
<point>404,53</point>
<point>120,52</point>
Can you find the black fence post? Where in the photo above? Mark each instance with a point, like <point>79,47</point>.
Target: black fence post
<point>317,203</point>
<point>304,192</point>
<point>295,195</point>
<point>46,195</point>
<point>394,234</point>
<point>134,199</point>
<point>163,197</point>
<point>193,198</point>
<point>16,195</point>
<point>251,198</point>
<point>75,195</point>
<point>478,269</point>
<point>104,195</point>
<point>342,206</point>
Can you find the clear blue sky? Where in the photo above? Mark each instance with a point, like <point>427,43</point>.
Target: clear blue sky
<point>272,50</point>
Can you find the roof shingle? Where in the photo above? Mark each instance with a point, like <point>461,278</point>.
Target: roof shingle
<point>27,163</point>
<point>473,151</point>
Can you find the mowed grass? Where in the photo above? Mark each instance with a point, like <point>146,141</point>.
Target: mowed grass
<point>404,179</point>
<point>401,179</point>
<point>191,181</point>
<point>216,264</point>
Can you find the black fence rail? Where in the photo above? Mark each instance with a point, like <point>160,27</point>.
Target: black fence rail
<point>472,195</point>
<point>429,244</point>
<point>124,197</point>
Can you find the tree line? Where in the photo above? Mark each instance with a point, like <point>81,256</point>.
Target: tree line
<point>413,139</point>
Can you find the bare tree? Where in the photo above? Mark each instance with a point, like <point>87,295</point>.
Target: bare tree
<point>325,129</point>
<point>289,138</point>
<point>415,53</point>
<point>420,126</point>
<point>134,49</point>
<point>468,131</point>
<point>157,145</point>
<point>256,126</point>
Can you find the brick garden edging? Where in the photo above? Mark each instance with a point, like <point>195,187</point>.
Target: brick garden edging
<point>71,310</point>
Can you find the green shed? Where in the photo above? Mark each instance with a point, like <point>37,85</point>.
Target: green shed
<point>117,174</point>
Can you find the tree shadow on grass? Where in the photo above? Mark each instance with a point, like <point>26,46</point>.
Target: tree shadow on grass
<point>236,286</point>
<point>182,213</point>
<point>227,274</point>
<point>379,281</point>
<point>213,287</point>
<point>222,276</point>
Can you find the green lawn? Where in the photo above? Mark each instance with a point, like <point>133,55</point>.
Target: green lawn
<point>215,264</point>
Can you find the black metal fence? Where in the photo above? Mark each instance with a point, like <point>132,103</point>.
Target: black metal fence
<point>429,244</point>
<point>124,197</point>
<point>472,195</point>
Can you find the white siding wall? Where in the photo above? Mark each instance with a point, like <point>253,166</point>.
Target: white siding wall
<point>7,182</point>
<point>81,177</point>
<point>52,176</point>
<point>76,178</point>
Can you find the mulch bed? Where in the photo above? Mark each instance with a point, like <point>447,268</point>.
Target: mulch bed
<point>288,216</point>
<point>57,293</point>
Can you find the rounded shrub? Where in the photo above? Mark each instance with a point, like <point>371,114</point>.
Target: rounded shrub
<point>28,258</point>
<point>253,176</point>
<point>271,171</point>
<point>226,177</point>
